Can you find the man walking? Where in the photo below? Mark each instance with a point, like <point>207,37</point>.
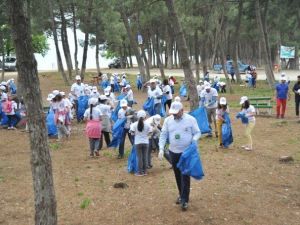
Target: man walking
<point>181,130</point>
<point>155,92</point>
<point>281,95</point>
<point>77,90</point>
<point>296,90</point>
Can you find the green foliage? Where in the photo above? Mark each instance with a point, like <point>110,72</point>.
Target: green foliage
<point>85,203</point>
<point>40,44</point>
<point>54,146</point>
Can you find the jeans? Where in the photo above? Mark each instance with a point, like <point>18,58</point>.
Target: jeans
<point>157,108</point>
<point>107,139</point>
<point>12,120</point>
<point>76,108</point>
<point>122,143</point>
<point>183,182</point>
<point>94,144</point>
<point>141,150</point>
<point>168,103</point>
<point>130,103</point>
<point>280,107</point>
<point>112,88</point>
<point>297,103</point>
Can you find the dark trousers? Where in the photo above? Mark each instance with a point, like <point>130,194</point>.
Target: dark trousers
<point>141,150</point>
<point>168,103</point>
<point>297,102</point>
<point>122,143</point>
<point>11,119</point>
<point>112,88</point>
<point>106,137</point>
<point>76,109</point>
<point>232,78</point>
<point>183,182</point>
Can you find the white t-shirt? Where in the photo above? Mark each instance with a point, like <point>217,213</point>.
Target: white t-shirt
<point>209,97</point>
<point>154,94</point>
<point>67,103</point>
<point>171,82</point>
<point>250,112</point>
<point>112,80</point>
<point>200,88</point>
<point>96,113</point>
<point>104,109</point>
<point>95,95</point>
<point>123,82</point>
<point>122,115</point>
<point>14,107</point>
<point>166,89</point>
<point>129,95</point>
<point>141,137</point>
<point>77,89</point>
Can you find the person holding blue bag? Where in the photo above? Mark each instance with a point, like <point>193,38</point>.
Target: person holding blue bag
<point>141,132</point>
<point>155,93</point>
<point>181,130</point>
<point>220,112</point>
<point>139,82</point>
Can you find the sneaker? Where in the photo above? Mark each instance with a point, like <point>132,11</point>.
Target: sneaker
<point>120,157</point>
<point>13,128</point>
<point>244,146</point>
<point>145,174</point>
<point>149,167</point>
<point>9,128</point>
<point>209,135</point>
<point>97,153</point>
<point>184,206</point>
<point>92,154</point>
<point>178,201</point>
<point>248,149</point>
<point>138,174</point>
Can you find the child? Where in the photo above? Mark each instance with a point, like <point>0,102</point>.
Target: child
<point>123,113</point>
<point>129,95</point>
<point>93,127</point>
<point>220,111</point>
<point>9,107</point>
<point>249,112</point>
<point>60,118</point>
<point>141,130</point>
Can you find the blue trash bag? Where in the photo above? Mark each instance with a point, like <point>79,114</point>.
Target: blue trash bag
<point>139,83</point>
<point>243,117</point>
<point>183,91</point>
<point>149,106</point>
<point>3,117</point>
<point>216,86</point>
<point>227,137</point>
<point>104,84</point>
<point>114,115</point>
<point>51,127</point>
<point>190,164</point>
<point>162,110</point>
<point>13,88</point>
<point>116,87</point>
<point>132,162</point>
<point>117,132</point>
<point>201,116</point>
<point>82,106</point>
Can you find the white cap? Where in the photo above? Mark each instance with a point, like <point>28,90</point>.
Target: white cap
<point>201,81</point>
<point>62,93</point>
<point>207,86</point>
<point>141,114</point>
<point>90,87</point>
<point>222,83</point>
<point>77,77</point>
<point>103,97</point>
<point>93,101</point>
<point>177,99</point>
<point>55,92</point>
<point>243,99</point>
<point>152,81</point>
<point>94,89</point>
<point>123,103</point>
<point>50,97</point>
<point>157,118</point>
<point>128,86</point>
<point>4,97</point>
<point>4,83</point>
<point>3,88</point>
<point>223,101</point>
<point>283,77</point>
<point>106,92</point>
<point>108,88</point>
<point>175,107</point>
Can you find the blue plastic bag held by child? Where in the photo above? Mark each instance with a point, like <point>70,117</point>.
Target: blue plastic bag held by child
<point>132,163</point>
<point>3,117</point>
<point>82,106</point>
<point>183,91</point>
<point>162,110</point>
<point>51,127</point>
<point>114,115</point>
<point>227,137</point>
<point>117,132</point>
<point>190,164</point>
<point>201,116</point>
<point>149,106</point>
<point>116,87</point>
<point>243,117</point>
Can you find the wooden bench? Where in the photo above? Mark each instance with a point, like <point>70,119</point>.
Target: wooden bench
<point>261,103</point>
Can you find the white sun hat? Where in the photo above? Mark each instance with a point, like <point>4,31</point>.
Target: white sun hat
<point>128,86</point>
<point>177,99</point>
<point>103,97</point>
<point>123,103</point>
<point>50,97</point>
<point>62,93</point>
<point>55,92</point>
<point>243,99</point>
<point>152,81</point>
<point>157,118</point>
<point>207,86</point>
<point>93,101</point>
<point>77,77</point>
<point>175,107</point>
<point>223,101</point>
<point>141,114</point>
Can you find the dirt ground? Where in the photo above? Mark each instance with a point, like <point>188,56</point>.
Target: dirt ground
<point>239,187</point>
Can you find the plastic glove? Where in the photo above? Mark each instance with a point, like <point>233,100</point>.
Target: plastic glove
<point>161,154</point>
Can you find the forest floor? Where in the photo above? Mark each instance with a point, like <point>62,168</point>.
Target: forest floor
<point>239,187</point>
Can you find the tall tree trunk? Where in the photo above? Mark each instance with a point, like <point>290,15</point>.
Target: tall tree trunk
<point>64,40</point>
<point>75,37</point>
<point>175,55</point>
<point>236,42</point>
<point>183,52</point>
<point>146,63</point>
<point>41,165</point>
<point>263,37</point>
<point>97,54</point>
<point>130,56</point>
<point>203,54</point>
<point>159,63</point>
<point>87,23</point>
<point>197,56</point>
<point>3,56</point>
<point>149,49</point>
<point>217,37</point>
<point>169,53</point>
<point>133,45</point>
<point>58,55</point>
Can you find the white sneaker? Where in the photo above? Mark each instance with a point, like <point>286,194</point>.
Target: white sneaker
<point>248,149</point>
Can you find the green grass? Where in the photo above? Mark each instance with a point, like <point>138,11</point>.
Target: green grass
<point>54,146</point>
<point>76,179</point>
<point>85,203</point>
<point>80,193</point>
<point>1,179</point>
